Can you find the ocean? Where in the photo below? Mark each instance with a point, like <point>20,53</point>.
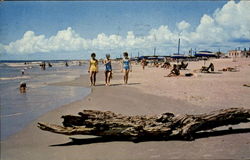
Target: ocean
<point>17,109</point>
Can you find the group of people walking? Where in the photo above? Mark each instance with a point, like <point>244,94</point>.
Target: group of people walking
<point>93,68</point>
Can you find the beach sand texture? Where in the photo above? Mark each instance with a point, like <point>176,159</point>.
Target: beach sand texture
<point>148,92</point>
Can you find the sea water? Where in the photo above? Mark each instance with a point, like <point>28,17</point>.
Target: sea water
<point>17,109</point>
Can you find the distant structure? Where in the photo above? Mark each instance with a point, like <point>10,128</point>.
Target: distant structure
<point>205,54</point>
<point>239,53</point>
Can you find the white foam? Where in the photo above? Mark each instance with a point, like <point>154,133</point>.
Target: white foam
<point>15,64</point>
<point>10,115</point>
<point>37,85</point>
<point>13,78</point>
<point>22,64</point>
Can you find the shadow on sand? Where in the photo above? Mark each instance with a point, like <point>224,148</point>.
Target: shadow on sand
<point>77,141</point>
<point>212,72</point>
<point>119,84</point>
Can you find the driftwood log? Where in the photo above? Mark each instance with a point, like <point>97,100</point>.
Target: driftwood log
<point>165,126</point>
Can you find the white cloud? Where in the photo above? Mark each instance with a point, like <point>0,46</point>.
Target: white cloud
<point>207,31</point>
<point>161,34</point>
<point>69,40</point>
<point>183,25</point>
<point>235,18</point>
<point>30,43</point>
<point>232,21</point>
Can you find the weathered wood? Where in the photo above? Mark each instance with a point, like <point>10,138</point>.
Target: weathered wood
<point>166,125</point>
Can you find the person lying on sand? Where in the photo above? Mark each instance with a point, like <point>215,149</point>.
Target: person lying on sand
<point>230,69</point>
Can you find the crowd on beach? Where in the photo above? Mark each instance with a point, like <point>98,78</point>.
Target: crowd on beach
<point>126,67</point>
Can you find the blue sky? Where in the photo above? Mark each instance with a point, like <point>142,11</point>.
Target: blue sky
<point>72,30</point>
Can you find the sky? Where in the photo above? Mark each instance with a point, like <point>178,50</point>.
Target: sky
<point>75,29</point>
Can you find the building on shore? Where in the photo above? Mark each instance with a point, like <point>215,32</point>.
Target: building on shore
<point>239,53</point>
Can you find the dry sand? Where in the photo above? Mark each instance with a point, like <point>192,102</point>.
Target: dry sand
<point>148,92</point>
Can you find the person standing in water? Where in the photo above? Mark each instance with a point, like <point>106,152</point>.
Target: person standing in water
<point>66,64</point>
<point>126,66</point>
<point>93,69</point>
<point>108,69</point>
<point>22,71</point>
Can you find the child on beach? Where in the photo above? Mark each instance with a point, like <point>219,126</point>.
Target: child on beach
<point>126,65</point>
<point>108,69</point>
<point>22,87</point>
<point>93,69</point>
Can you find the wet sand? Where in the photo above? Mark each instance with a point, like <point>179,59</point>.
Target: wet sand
<point>148,92</point>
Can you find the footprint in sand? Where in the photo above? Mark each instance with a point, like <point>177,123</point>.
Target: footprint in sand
<point>198,99</point>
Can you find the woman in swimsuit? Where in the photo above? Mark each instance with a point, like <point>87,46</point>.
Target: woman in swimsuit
<point>108,69</point>
<point>126,65</point>
<point>93,69</point>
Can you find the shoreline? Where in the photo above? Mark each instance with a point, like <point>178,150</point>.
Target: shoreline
<point>140,97</point>
<point>19,110</point>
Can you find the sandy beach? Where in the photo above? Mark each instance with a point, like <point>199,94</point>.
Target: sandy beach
<point>148,92</point>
